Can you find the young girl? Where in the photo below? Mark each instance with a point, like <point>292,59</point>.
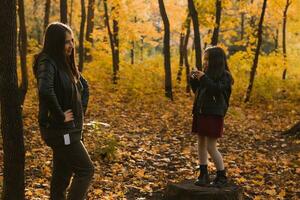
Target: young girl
<point>212,90</point>
<point>63,97</point>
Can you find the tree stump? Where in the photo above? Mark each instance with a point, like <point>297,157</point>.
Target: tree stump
<point>186,190</point>
<point>294,131</point>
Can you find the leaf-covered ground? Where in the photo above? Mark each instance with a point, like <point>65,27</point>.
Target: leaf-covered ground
<point>140,141</point>
<point>140,144</point>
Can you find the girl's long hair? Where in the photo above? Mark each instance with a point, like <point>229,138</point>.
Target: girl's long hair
<point>217,62</point>
<point>54,47</point>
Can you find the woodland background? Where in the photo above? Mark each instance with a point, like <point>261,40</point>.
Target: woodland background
<point>137,127</point>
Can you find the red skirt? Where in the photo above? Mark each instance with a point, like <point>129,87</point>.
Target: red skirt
<point>208,125</point>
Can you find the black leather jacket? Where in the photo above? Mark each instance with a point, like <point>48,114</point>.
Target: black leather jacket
<point>212,96</point>
<point>56,95</point>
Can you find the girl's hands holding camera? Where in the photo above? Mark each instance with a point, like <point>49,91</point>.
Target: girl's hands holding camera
<point>197,74</point>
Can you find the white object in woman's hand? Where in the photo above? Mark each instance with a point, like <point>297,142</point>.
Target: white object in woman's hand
<point>198,74</point>
<point>193,73</point>
<point>68,115</point>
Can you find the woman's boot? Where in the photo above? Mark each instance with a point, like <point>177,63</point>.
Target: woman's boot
<point>203,178</point>
<point>220,179</point>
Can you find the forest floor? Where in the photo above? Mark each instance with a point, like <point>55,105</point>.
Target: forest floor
<point>139,145</point>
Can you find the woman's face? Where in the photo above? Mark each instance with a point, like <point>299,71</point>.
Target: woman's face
<point>69,44</point>
<point>205,61</point>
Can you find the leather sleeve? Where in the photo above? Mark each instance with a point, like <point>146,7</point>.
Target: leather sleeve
<point>194,83</point>
<point>45,79</point>
<point>216,87</point>
<point>85,93</point>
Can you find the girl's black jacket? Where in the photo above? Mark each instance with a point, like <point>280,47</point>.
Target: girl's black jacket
<point>211,96</point>
<point>57,94</point>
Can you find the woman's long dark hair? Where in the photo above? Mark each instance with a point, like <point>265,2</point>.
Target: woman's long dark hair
<point>217,62</point>
<point>54,47</point>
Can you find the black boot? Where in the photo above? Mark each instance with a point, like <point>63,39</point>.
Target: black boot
<point>203,178</point>
<point>220,179</point>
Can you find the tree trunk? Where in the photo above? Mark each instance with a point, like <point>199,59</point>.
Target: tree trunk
<point>116,41</point>
<point>132,52</point>
<point>23,50</point>
<point>81,36</point>
<point>142,48</point>
<point>181,49</point>
<point>288,3</point>
<point>179,73</point>
<point>89,27</point>
<point>167,56</point>
<point>197,41</point>
<point>255,61</point>
<point>112,42</point>
<point>90,21</point>
<point>37,27</point>
<point>181,40</point>
<point>192,53</point>
<point>293,131</point>
<point>215,36</point>
<point>185,55</point>
<point>47,14</point>
<point>63,11</point>
<point>242,25</point>
<point>11,119</point>
<point>276,39</point>
<point>71,13</point>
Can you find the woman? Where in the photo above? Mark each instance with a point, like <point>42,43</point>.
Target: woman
<point>63,97</point>
<point>212,92</point>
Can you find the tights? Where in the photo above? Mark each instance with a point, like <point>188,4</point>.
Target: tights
<point>209,144</point>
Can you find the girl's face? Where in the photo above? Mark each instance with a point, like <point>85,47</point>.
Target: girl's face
<point>205,61</point>
<point>69,44</point>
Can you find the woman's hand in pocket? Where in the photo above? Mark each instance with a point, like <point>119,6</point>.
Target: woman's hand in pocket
<point>68,116</point>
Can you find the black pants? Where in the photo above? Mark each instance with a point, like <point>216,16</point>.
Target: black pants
<point>67,160</point>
